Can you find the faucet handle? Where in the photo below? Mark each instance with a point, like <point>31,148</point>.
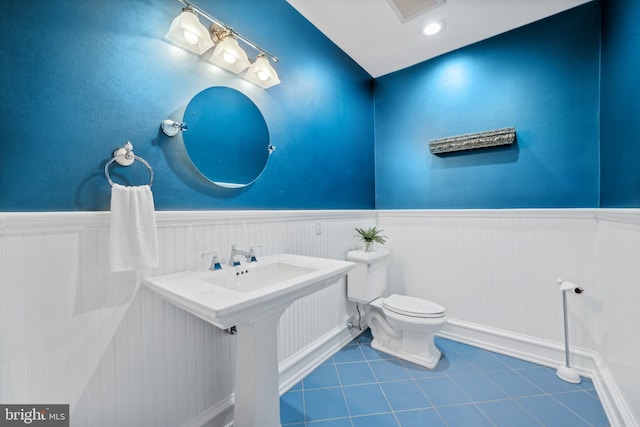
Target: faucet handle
<point>215,261</point>
<point>251,256</point>
<point>233,261</point>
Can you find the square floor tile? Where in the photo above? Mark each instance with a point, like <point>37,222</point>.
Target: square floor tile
<point>550,413</point>
<point>420,418</point>
<point>292,408</point>
<point>355,373</point>
<point>322,376</point>
<point>443,391</point>
<point>455,364</point>
<point>404,395</point>
<point>464,416</point>
<point>389,370</point>
<point>365,399</point>
<point>478,388</point>
<point>350,353</point>
<point>585,406</point>
<point>507,413</point>
<point>378,420</point>
<point>514,384</point>
<point>325,403</point>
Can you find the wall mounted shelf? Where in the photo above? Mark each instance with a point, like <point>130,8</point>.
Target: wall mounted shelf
<point>470,141</point>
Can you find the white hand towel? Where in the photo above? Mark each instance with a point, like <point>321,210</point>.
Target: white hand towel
<point>134,237</point>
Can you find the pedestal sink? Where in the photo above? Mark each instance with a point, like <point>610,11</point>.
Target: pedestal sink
<point>252,297</point>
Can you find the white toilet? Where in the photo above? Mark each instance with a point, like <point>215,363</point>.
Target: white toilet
<point>401,326</point>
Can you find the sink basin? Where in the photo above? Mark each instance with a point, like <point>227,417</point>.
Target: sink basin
<point>252,297</point>
<point>234,294</point>
<point>257,276</point>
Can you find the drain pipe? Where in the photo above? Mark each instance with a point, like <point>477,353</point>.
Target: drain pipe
<point>566,372</point>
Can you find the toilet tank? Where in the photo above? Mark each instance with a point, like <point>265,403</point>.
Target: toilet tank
<point>368,279</point>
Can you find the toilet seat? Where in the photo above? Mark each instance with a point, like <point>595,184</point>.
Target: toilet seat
<point>412,307</point>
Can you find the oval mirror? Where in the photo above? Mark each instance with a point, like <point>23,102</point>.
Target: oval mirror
<point>227,138</point>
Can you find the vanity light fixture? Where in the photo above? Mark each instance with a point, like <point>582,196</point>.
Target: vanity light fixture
<point>187,32</point>
<point>171,128</point>
<point>229,55</point>
<point>261,73</point>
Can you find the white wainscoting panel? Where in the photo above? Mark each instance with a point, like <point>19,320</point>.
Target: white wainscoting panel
<point>73,332</point>
<point>496,268</point>
<point>495,272</point>
<point>619,302</point>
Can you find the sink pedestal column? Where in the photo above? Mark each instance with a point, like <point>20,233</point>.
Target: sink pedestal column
<point>257,394</point>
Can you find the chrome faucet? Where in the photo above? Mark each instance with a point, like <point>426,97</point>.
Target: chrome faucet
<point>249,255</point>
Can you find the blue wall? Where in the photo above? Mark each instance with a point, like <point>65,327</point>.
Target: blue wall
<point>620,106</point>
<point>543,79</point>
<point>80,77</point>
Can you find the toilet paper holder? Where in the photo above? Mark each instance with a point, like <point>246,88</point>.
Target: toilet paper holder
<point>566,372</point>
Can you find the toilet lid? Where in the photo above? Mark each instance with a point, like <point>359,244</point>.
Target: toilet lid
<point>411,306</point>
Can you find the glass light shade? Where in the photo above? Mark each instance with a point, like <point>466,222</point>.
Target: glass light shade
<point>187,32</point>
<point>229,55</point>
<point>261,73</point>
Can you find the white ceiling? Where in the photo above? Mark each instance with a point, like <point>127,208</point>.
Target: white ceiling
<point>371,33</point>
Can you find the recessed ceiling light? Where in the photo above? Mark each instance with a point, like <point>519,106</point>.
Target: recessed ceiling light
<point>433,28</point>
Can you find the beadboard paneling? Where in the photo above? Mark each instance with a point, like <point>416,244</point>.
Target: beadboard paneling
<point>618,299</point>
<point>73,332</point>
<point>497,269</point>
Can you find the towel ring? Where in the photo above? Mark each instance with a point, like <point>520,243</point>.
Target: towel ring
<point>124,157</point>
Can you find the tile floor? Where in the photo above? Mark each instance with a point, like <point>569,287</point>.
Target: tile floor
<point>470,387</point>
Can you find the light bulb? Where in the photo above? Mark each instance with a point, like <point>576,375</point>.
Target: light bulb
<point>262,75</point>
<point>229,58</point>
<point>433,28</point>
<point>190,37</point>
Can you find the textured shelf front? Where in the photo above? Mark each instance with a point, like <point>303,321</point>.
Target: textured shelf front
<point>470,141</point>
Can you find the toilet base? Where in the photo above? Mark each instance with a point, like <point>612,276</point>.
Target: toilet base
<point>428,362</point>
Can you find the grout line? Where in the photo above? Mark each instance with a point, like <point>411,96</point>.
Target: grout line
<point>568,408</point>
<point>414,377</point>
<point>344,396</point>
<point>411,378</point>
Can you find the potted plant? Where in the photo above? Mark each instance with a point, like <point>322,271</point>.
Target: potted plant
<point>369,236</point>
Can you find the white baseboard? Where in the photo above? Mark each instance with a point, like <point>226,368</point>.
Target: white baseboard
<point>547,353</point>
<point>304,362</point>
<point>216,416</point>
<point>612,400</point>
<point>291,370</point>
